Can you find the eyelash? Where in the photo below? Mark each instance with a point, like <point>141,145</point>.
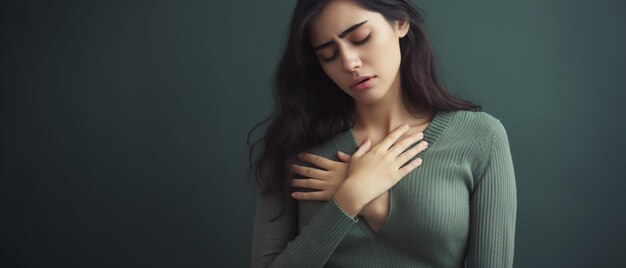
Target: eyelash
<point>363,41</point>
<point>358,43</point>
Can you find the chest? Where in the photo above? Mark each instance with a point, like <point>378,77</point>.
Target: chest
<point>429,209</point>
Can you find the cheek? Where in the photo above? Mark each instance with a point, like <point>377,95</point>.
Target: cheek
<point>386,50</point>
<point>385,57</point>
<point>333,72</point>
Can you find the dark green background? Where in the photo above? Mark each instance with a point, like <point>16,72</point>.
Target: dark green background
<point>123,124</point>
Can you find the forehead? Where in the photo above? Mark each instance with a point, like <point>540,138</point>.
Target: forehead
<point>337,16</point>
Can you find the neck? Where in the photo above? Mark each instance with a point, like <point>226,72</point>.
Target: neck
<point>387,114</point>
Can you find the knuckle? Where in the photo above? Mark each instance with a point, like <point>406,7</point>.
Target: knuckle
<point>414,141</point>
<point>408,143</point>
<point>407,154</point>
<point>403,158</point>
<point>409,150</point>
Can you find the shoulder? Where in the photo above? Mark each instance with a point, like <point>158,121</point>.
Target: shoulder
<point>480,119</point>
<point>483,133</point>
<point>479,124</point>
<point>479,130</point>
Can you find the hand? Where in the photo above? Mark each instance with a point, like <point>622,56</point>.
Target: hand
<point>327,181</point>
<point>374,171</point>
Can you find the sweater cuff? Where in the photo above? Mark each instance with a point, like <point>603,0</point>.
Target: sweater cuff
<point>355,219</point>
<point>330,225</point>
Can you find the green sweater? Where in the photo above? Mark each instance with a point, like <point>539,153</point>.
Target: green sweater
<point>457,209</point>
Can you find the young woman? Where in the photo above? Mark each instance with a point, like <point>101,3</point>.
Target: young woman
<point>431,184</point>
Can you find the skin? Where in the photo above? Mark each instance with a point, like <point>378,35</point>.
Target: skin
<point>360,183</point>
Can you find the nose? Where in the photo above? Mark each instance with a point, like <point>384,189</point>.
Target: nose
<point>350,59</point>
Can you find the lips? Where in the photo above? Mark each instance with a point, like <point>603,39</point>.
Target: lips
<point>360,80</point>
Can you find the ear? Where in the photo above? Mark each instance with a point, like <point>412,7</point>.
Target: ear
<point>402,27</point>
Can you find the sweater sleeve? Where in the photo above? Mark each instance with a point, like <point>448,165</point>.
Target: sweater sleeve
<point>276,242</point>
<point>493,206</point>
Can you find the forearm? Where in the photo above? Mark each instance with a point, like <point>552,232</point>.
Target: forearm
<point>276,244</point>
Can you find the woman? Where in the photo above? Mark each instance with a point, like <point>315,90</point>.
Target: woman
<point>431,184</point>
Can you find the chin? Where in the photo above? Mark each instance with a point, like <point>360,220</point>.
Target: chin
<point>368,98</point>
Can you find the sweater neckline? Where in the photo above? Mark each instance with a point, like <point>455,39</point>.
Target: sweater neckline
<point>345,142</point>
<point>441,119</point>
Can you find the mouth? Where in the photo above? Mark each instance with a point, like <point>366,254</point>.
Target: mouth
<point>361,80</point>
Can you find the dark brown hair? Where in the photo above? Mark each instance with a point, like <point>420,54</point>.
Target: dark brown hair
<point>310,108</point>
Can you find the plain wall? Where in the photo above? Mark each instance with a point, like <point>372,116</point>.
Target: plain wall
<point>123,124</point>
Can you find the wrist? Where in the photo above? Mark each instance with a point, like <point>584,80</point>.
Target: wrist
<point>347,201</point>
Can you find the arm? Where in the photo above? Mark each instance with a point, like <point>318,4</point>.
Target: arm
<point>493,206</point>
<point>326,180</point>
<point>278,244</point>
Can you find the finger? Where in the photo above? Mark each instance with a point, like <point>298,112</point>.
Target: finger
<point>388,141</point>
<point>317,196</point>
<point>317,160</point>
<point>410,153</point>
<point>410,167</point>
<point>308,183</point>
<point>308,172</point>
<point>343,156</point>
<point>365,146</point>
<point>405,143</point>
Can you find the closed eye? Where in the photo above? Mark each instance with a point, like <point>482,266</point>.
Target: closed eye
<point>358,43</point>
<point>331,58</point>
<point>363,41</point>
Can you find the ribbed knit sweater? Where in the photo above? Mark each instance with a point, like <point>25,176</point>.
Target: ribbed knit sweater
<point>458,208</point>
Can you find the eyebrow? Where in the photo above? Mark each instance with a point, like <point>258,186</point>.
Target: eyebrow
<point>341,35</point>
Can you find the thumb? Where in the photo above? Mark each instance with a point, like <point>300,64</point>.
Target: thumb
<point>365,146</point>
<point>343,156</point>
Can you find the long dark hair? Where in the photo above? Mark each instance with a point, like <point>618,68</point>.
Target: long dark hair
<point>310,108</point>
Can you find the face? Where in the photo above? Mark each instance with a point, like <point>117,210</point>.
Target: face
<point>353,45</point>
